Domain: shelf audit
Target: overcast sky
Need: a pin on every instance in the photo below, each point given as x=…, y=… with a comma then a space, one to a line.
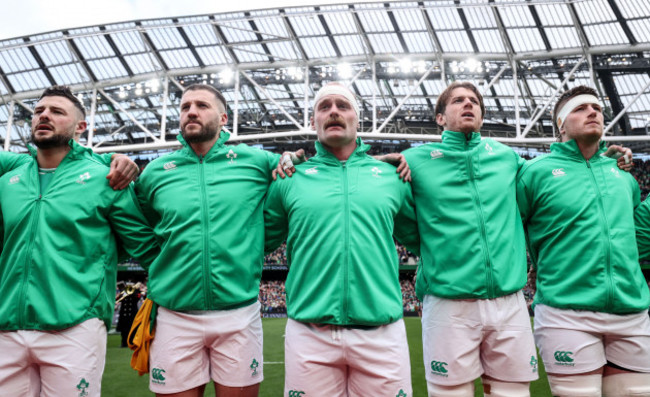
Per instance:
x=26, y=17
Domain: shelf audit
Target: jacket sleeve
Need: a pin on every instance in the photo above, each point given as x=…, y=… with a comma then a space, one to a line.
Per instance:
x=132, y=229
x=272, y=160
x=406, y=225
x=104, y=158
x=10, y=161
x=523, y=199
x=276, y=223
x=144, y=200
x=642, y=222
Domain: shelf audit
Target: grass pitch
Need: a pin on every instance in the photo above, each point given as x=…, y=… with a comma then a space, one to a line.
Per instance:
x=120, y=380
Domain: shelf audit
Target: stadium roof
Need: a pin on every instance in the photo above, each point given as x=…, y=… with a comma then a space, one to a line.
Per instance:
x=396, y=56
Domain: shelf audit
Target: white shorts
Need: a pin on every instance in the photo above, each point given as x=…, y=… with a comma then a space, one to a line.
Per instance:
x=53, y=363
x=333, y=361
x=190, y=348
x=466, y=338
x=579, y=341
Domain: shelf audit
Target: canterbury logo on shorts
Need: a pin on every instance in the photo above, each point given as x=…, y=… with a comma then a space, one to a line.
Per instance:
x=157, y=376
x=563, y=357
x=296, y=393
x=438, y=367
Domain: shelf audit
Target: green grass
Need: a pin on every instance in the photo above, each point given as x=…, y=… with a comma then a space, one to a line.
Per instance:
x=121, y=380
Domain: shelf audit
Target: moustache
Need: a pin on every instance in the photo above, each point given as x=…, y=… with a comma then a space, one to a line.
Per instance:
x=337, y=121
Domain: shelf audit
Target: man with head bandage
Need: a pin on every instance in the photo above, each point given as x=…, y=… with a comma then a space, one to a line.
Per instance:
x=345, y=335
x=591, y=304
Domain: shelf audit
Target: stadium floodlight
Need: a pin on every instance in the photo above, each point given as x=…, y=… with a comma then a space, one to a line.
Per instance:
x=420, y=66
x=226, y=76
x=153, y=84
x=138, y=90
x=295, y=73
x=454, y=67
x=473, y=66
x=391, y=69
x=405, y=65
x=344, y=70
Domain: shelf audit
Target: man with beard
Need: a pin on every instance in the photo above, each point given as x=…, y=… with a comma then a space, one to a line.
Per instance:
x=123, y=170
x=345, y=334
x=591, y=304
x=61, y=227
x=205, y=203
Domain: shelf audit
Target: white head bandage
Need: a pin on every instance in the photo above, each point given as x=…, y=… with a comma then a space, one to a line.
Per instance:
x=337, y=89
x=572, y=104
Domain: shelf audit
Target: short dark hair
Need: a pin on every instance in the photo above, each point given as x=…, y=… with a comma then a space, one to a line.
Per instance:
x=443, y=98
x=564, y=98
x=207, y=87
x=64, y=91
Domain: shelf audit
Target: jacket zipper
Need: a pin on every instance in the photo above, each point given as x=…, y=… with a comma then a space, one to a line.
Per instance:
x=28, y=262
x=206, y=234
x=608, y=248
x=346, y=264
x=479, y=210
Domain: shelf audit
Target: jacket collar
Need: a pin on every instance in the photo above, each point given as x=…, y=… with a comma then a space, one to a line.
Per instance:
x=326, y=156
x=571, y=149
x=76, y=150
x=459, y=139
x=216, y=148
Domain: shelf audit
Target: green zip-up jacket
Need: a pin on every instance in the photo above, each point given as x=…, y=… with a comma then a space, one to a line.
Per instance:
x=207, y=213
x=472, y=241
x=59, y=263
x=579, y=220
x=339, y=220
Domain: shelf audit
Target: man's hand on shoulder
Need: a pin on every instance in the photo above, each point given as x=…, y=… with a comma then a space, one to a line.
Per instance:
x=123, y=171
x=623, y=156
x=399, y=161
x=287, y=163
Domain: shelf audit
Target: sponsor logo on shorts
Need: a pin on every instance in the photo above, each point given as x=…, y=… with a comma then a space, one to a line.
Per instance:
x=436, y=154
x=438, y=368
x=82, y=386
x=296, y=393
x=375, y=172
x=533, y=363
x=83, y=178
x=563, y=358
x=253, y=367
x=157, y=376
x=401, y=393
x=231, y=156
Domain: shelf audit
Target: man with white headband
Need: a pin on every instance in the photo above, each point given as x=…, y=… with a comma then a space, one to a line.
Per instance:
x=345, y=335
x=591, y=303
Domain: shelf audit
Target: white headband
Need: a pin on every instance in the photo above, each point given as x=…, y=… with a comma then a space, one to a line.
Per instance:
x=336, y=89
x=572, y=104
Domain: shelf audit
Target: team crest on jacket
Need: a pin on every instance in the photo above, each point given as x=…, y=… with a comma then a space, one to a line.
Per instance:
x=83, y=178
x=375, y=172
x=231, y=156
x=436, y=154
x=489, y=149
x=615, y=172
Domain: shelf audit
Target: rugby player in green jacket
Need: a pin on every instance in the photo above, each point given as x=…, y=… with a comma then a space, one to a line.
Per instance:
x=591, y=303
x=345, y=335
x=62, y=225
x=205, y=202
